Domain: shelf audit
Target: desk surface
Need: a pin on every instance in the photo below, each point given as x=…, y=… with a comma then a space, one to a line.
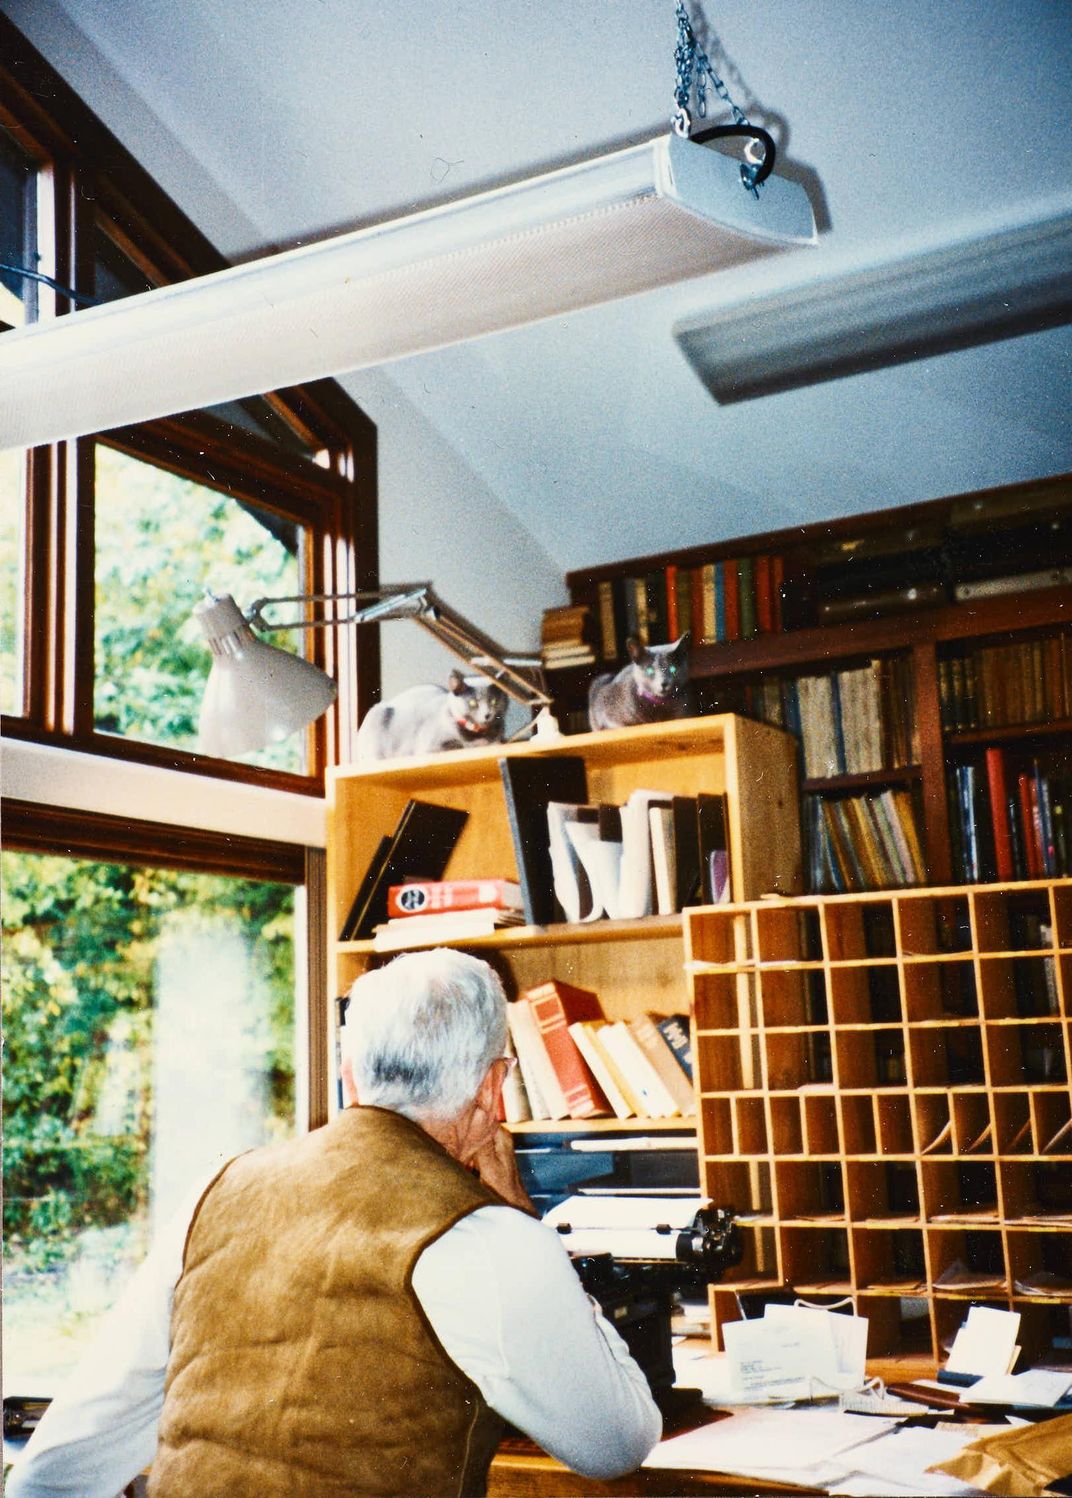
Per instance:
x=519, y=1475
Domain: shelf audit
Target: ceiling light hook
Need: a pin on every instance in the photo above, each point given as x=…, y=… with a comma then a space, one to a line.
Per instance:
x=690, y=57
x=681, y=120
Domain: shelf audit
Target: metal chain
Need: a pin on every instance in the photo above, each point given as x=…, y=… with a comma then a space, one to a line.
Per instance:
x=690, y=56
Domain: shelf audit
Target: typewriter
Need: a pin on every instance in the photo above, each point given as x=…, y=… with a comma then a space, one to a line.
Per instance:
x=637, y=1255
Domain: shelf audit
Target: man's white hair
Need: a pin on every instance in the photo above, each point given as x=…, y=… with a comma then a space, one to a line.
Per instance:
x=421, y=1032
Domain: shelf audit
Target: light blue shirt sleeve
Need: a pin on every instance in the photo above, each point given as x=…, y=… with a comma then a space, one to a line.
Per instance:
x=509, y=1309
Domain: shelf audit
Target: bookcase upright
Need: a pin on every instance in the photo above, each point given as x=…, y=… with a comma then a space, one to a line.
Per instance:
x=633, y=965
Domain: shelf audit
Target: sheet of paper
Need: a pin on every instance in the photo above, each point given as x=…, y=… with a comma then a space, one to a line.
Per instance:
x=898, y=1461
x=1041, y=1387
x=780, y=1357
x=756, y=1442
x=849, y=1335
x=985, y=1343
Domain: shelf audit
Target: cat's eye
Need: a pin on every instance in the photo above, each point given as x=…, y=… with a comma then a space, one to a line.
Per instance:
x=472, y=702
x=673, y=670
x=649, y=670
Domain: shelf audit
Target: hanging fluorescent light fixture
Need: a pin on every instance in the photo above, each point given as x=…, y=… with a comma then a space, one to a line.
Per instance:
x=627, y=222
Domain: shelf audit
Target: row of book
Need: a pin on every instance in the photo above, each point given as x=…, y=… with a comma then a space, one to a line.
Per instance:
x=864, y=842
x=849, y=722
x=1010, y=824
x=1001, y=685
x=565, y=637
x=574, y=1063
x=656, y=853
x=733, y=599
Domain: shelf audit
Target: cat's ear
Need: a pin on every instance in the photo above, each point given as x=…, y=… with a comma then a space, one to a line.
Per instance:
x=681, y=648
x=456, y=683
x=634, y=649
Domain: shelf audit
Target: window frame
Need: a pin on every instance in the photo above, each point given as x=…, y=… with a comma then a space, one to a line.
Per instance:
x=31, y=827
x=90, y=186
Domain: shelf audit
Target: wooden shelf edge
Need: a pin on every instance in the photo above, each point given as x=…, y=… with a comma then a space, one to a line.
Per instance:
x=644, y=928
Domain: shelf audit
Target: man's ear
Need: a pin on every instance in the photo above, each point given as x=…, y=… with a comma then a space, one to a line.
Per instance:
x=349, y=1089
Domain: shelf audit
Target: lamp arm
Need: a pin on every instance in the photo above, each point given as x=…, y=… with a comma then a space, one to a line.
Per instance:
x=419, y=601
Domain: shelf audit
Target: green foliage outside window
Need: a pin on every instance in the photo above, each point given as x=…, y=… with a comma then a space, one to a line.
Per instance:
x=82, y=944
x=160, y=542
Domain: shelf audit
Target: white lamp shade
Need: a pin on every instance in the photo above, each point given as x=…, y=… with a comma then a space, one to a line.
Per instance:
x=256, y=694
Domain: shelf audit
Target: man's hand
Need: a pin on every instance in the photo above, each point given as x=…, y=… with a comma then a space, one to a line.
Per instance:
x=496, y=1163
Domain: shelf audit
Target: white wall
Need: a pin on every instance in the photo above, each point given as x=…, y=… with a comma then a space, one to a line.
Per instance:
x=438, y=520
x=439, y=523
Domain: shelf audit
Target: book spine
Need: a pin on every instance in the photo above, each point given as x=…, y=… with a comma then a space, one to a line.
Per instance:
x=608, y=635
x=731, y=600
x=672, y=628
x=583, y=1038
x=659, y=1056
x=452, y=894
x=674, y=1029
x=714, y=603
x=580, y=1089
x=684, y=601
x=541, y=1079
x=995, y=775
x=747, y=587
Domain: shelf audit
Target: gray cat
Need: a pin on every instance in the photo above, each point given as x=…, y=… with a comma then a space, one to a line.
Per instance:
x=426, y=719
x=652, y=688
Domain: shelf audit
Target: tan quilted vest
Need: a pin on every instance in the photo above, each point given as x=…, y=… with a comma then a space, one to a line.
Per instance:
x=301, y=1363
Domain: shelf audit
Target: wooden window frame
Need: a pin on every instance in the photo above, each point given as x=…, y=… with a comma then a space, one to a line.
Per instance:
x=89, y=185
x=34, y=828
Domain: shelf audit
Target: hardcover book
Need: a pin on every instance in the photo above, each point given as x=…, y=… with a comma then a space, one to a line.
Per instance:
x=555, y=1006
x=419, y=848
x=423, y=896
x=530, y=784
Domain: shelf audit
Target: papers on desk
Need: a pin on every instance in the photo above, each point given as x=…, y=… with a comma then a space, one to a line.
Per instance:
x=1038, y=1388
x=845, y=1454
x=795, y=1352
x=986, y=1343
x=779, y=1443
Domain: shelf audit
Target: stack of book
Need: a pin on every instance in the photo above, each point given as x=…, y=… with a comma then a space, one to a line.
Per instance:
x=581, y=861
x=864, y=842
x=731, y=599
x=564, y=638
x=574, y=1063
x=426, y=912
x=1010, y=823
x=1028, y=682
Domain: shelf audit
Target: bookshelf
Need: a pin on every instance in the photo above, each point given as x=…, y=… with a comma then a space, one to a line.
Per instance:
x=634, y=966
x=905, y=620
x=883, y=1086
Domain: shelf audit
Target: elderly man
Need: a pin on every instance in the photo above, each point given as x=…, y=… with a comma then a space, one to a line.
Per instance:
x=356, y=1311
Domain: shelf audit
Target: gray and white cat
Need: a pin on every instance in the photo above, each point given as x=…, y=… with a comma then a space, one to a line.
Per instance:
x=425, y=719
x=650, y=689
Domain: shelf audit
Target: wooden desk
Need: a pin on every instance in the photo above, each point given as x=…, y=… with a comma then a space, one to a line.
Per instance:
x=519, y=1475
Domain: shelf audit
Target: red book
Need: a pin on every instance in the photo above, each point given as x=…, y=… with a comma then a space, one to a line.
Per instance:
x=555, y=1006
x=1032, y=830
x=999, y=817
x=671, y=602
x=732, y=595
x=421, y=897
x=761, y=578
x=777, y=570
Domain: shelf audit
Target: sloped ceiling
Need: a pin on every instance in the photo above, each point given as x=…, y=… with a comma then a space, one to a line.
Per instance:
x=910, y=124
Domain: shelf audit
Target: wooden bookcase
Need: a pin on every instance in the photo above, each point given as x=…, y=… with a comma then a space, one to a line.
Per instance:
x=633, y=965
x=883, y=1086
x=945, y=542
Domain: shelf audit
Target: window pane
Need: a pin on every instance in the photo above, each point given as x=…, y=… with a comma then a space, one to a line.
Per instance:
x=161, y=542
x=12, y=525
x=150, y=1019
x=18, y=232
